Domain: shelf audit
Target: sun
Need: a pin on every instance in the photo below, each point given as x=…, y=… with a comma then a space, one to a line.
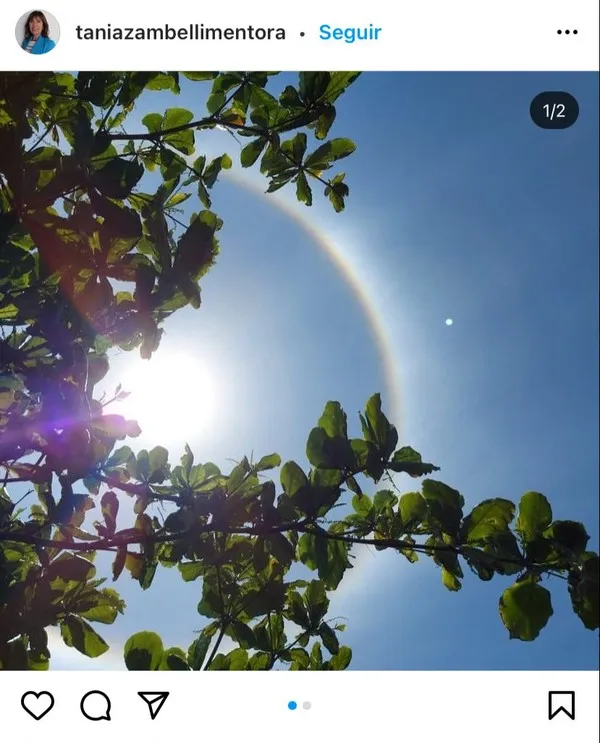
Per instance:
x=174, y=396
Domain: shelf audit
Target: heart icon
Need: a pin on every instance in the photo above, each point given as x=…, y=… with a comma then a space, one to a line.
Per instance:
x=37, y=704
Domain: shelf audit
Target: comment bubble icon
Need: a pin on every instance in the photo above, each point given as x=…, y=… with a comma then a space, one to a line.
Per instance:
x=95, y=706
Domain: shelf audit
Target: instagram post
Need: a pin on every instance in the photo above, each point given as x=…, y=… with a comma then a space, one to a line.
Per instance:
x=298, y=372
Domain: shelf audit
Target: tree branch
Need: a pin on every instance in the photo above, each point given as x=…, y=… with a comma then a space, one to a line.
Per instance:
x=213, y=652
x=131, y=537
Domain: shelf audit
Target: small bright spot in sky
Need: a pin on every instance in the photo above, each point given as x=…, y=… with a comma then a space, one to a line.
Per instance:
x=449, y=321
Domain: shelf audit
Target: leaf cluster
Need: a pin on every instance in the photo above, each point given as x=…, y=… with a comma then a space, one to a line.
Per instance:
x=90, y=261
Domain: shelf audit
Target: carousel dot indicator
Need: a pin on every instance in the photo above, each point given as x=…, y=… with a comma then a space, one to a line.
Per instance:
x=306, y=705
x=292, y=705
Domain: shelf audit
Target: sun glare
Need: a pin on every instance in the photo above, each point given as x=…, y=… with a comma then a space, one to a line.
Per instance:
x=173, y=396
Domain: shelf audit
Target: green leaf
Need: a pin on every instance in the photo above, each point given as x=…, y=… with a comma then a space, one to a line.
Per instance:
x=172, y=166
x=191, y=570
x=219, y=663
x=174, y=659
x=71, y=568
x=324, y=452
x=182, y=140
x=293, y=478
x=215, y=102
x=197, y=248
x=175, y=117
x=187, y=460
x=268, y=462
x=164, y=81
x=158, y=459
x=252, y=151
x=444, y=505
x=333, y=563
x=211, y=603
x=337, y=191
x=479, y=562
x=152, y=122
x=329, y=638
x=362, y=504
x=342, y=659
x=353, y=485
x=199, y=76
x=569, y=537
x=334, y=420
x=119, y=563
x=413, y=510
x=378, y=429
x=237, y=659
x=315, y=448
x=525, y=609
x=506, y=557
x=76, y=633
x=298, y=147
x=259, y=601
x=118, y=178
x=296, y=610
x=303, y=189
x=243, y=634
x=300, y=659
x=140, y=466
x=110, y=509
x=143, y=652
x=408, y=460
x=323, y=157
x=260, y=662
x=280, y=548
x=338, y=84
x=325, y=121
x=260, y=557
x=106, y=610
x=212, y=170
x=316, y=601
x=328, y=556
x=197, y=651
x=535, y=515
x=584, y=590
x=488, y=518
x=449, y=580
x=116, y=426
x=118, y=457
x=313, y=85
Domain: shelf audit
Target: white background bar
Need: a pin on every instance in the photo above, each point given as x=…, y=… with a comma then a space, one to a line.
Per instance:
x=347, y=706
x=350, y=706
x=417, y=35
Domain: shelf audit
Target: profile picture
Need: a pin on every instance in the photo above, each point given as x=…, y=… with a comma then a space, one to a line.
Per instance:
x=37, y=32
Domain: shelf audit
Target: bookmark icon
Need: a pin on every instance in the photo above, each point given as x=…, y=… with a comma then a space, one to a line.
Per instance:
x=155, y=701
x=561, y=701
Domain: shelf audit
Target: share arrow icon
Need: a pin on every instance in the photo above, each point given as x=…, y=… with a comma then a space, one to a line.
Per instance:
x=154, y=700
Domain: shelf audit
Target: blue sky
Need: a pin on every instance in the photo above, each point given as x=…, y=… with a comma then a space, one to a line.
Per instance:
x=459, y=207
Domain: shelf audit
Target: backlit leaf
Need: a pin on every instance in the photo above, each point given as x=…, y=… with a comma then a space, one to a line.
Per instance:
x=525, y=609
x=535, y=515
x=76, y=633
x=143, y=652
